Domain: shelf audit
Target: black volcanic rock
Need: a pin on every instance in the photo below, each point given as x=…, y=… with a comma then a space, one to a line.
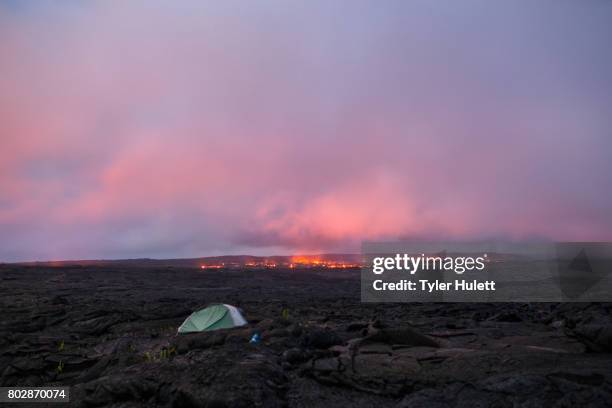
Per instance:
x=110, y=333
x=320, y=338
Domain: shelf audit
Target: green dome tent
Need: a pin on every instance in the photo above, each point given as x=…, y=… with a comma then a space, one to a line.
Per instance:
x=213, y=317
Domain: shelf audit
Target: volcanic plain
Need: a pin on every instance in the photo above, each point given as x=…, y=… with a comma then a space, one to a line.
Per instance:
x=110, y=333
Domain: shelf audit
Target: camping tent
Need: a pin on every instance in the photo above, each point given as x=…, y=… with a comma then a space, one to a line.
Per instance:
x=220, y=316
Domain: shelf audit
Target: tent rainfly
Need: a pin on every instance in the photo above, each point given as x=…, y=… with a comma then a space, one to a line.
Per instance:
x=214, y=317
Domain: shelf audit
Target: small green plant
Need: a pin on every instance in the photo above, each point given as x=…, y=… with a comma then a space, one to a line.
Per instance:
x=163, y=354
x=60, y=346
x=285, y=314
x=60, y=367
x=168, y=352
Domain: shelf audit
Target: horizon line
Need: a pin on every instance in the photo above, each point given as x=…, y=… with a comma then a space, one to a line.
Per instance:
x=174, y=259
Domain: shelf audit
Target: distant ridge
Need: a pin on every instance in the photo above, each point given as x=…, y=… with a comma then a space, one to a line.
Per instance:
x=226, y=260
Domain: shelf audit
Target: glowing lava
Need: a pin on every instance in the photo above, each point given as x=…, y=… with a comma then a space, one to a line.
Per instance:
x=212, y=266
x=293, y=262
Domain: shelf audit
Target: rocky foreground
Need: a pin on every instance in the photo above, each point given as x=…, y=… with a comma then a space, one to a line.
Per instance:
x=111, y=336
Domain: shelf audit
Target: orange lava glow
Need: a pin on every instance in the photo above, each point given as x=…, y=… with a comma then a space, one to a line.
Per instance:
x=293, y=262
x=306, y=260
x=310, y=261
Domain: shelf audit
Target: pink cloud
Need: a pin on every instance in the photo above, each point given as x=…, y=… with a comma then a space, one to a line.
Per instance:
x=183, y=130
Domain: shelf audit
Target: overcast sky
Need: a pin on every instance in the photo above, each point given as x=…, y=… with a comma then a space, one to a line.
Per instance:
x=192, y=128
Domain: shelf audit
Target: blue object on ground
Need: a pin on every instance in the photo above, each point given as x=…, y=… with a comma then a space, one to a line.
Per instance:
x=255, y=339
